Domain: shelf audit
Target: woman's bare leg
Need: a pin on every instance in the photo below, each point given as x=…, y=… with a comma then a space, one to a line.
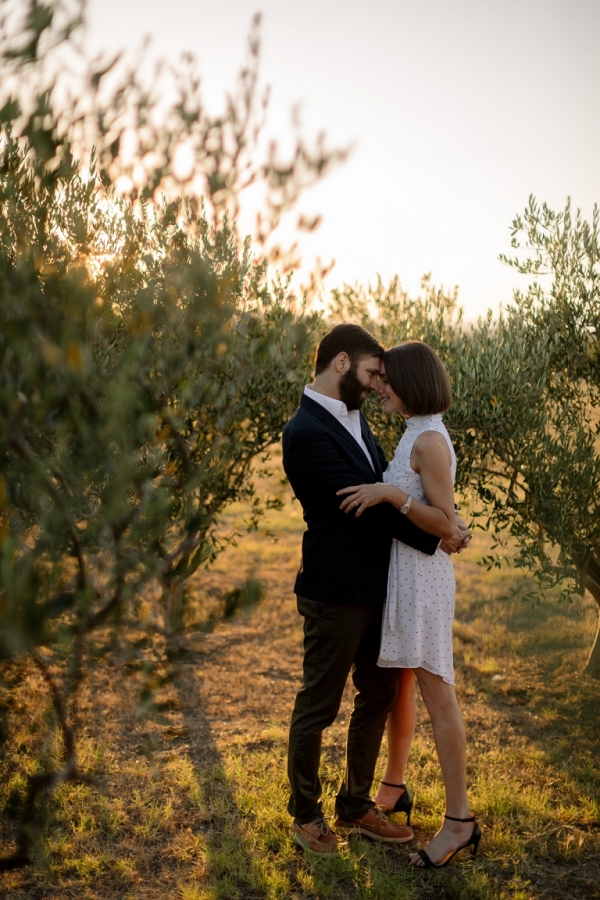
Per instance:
x=450, y=741
x=400, y=732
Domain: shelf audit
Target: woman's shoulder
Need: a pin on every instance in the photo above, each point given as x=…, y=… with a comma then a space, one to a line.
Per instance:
x=432, y=442
x=432, y=438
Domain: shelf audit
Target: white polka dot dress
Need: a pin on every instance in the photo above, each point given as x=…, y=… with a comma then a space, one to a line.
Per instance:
x=419, y=610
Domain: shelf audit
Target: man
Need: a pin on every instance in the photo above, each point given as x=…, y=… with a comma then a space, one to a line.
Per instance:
x=341, y=588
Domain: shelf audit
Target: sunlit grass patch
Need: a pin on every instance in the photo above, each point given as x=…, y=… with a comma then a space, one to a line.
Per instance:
x=365, y=869
x=194, y=891
x=179, y=773
x=192, y=804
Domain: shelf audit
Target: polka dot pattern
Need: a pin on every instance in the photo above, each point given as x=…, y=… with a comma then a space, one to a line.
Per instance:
x=419, y=610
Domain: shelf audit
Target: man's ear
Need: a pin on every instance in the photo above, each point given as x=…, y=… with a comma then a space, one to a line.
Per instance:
x=341, y=362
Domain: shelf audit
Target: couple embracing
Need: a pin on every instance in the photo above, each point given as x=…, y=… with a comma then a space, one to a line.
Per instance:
x=376, y=590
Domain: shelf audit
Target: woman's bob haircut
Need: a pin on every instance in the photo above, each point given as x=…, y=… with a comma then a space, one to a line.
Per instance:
x=415, y=373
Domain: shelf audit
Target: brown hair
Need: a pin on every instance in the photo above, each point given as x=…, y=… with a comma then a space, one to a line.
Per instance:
x=415, y=373
x=351, y=339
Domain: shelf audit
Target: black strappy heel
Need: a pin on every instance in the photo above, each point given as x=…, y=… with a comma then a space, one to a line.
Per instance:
x=472, y=842
x=404, y=803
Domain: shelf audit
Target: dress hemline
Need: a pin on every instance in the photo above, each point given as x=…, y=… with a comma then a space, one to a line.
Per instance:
x=415, y=664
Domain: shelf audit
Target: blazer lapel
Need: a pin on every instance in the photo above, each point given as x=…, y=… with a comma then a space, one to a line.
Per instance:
x=334, y=425
x=369, y=440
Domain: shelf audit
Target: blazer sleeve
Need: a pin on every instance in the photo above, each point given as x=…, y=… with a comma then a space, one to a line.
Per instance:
x=406, y=531
x=316, y=459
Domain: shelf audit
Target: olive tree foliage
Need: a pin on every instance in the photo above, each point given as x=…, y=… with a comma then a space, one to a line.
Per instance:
x=147, y=361
x=563, y=309
x=524, y=420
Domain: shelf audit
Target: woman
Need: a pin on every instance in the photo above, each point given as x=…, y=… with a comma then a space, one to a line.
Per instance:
x=418, y=615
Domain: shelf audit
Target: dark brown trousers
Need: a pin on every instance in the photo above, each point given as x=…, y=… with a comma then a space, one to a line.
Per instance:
x=338, y=639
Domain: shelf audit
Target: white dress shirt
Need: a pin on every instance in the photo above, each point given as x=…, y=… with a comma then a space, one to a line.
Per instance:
x=350, y=419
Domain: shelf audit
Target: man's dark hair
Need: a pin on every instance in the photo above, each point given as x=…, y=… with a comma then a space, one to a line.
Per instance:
x=416, y=375
x=357, y=342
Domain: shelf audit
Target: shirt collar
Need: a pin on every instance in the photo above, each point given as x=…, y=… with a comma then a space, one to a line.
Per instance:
x=337, y=408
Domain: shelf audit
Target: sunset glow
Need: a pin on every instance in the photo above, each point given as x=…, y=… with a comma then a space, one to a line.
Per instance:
x=456, y=114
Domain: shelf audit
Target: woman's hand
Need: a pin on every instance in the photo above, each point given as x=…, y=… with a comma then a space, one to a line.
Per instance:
x=360, y=496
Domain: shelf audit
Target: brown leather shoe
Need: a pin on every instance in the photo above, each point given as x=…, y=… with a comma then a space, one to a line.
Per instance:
x=317, y=837
x=376, y=825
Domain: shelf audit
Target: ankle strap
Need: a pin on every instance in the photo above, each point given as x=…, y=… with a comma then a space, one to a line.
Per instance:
x=454, y=819
x=389, y=784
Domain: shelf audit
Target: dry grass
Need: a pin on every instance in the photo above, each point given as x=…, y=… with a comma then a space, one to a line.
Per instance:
x=190, y=803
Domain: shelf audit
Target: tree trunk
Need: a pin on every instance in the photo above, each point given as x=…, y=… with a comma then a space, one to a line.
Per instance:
x=593, y=664
x=592, y=583
x=173, y=604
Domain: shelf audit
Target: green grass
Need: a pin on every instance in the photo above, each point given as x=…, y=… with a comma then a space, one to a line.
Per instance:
x=191, y=804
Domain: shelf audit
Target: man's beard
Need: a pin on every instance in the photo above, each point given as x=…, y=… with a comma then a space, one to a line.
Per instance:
x=351, y=389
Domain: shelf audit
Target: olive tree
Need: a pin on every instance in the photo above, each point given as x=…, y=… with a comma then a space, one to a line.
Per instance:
x=147, y=357
x=525, y=418
x=555, y=507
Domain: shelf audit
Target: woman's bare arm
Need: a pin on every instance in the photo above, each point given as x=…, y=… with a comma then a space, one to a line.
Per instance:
x=431, y=459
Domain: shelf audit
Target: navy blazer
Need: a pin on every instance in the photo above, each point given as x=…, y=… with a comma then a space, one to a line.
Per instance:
x=344, y=559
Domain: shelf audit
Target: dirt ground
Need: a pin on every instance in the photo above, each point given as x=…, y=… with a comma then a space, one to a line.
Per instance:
x=234, y=690
x=243, y=691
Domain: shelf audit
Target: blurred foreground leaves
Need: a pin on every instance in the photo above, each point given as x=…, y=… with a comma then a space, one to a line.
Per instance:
x=146, y=360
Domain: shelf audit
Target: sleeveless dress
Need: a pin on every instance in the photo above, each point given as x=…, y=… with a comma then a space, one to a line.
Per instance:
x=419, y=610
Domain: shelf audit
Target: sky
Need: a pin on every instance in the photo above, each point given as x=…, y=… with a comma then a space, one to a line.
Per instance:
x=456, y=110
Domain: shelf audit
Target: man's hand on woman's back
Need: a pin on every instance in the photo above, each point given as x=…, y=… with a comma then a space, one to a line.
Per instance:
x=460, y=539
